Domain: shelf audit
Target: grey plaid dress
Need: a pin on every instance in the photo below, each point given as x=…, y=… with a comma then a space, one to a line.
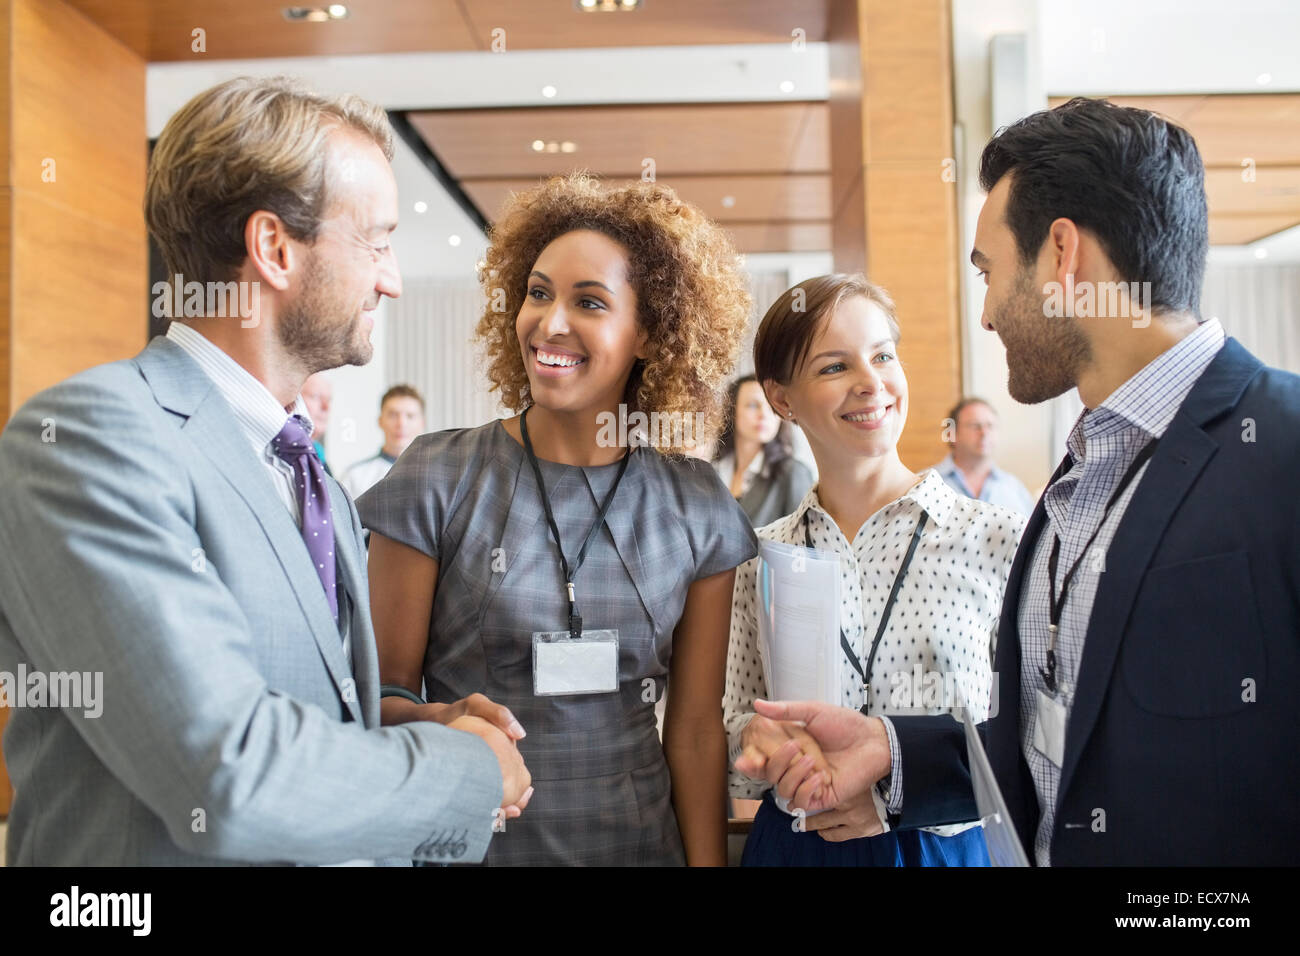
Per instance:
x=468, y=498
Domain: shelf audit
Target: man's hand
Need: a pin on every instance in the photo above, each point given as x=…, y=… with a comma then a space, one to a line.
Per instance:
x=515, y=778
x=857, y=818
x=855, y=748
x=475, y=705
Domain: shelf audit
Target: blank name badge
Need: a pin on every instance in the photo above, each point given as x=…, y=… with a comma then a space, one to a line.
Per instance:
x=563, y=664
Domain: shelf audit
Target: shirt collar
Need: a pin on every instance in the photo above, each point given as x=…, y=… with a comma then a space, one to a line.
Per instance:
x=931, y=494
x=259, y=414
x=1152, y=397
x=948, y=467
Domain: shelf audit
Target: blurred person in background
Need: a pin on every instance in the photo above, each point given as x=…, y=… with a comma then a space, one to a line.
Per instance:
x=969, y=467
x=401, y=418
x=754, y=456
x=318, y=395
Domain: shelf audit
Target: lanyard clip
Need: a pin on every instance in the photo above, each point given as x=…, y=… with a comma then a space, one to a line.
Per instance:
x=571, y=597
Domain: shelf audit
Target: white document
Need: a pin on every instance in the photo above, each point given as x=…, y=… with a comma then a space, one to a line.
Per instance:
x=799, y=622
x=999, y=832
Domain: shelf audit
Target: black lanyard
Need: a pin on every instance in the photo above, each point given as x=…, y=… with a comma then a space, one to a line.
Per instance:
x=1056, y=604
x=575, y=620
x=865, y=671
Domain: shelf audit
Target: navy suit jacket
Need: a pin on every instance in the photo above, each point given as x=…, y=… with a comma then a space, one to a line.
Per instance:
x=1183, y=742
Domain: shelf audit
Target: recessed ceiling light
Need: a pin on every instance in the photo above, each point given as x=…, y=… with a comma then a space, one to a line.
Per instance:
x=538, y=145
x=568, y=147
x=548, y=92
x=728, y=201
x=606, y=6
x=1261, y=253
x=454, y=240
x=335, y=11
x=1264, y=79
x=421, y=206
x=787, y=86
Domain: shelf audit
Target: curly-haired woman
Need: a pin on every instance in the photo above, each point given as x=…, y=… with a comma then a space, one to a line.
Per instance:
x=557, y=565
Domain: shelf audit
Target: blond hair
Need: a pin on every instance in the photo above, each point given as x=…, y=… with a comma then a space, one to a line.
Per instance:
x=246, y=145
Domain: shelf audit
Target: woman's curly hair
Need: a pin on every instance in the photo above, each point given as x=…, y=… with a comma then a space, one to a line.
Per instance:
x=692, y=298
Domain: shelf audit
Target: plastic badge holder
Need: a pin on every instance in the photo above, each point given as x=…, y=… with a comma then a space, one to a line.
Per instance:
x=565, y=666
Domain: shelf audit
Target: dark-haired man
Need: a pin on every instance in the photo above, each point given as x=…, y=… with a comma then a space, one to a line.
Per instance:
x=1148, y=644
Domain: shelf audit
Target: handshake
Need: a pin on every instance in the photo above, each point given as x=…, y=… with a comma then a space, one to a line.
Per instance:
x=819, y=757
x=495, y=726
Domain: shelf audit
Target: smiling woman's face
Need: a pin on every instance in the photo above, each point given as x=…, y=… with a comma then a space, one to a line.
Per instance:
x=578, y=328
x=850, y=395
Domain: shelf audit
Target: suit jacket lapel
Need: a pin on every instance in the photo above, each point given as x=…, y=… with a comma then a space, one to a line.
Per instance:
x=181, y=386
x=1004, y=748
x=352, y=580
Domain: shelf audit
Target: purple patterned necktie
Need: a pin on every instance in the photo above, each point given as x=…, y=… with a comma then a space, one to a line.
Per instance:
x=294, y=446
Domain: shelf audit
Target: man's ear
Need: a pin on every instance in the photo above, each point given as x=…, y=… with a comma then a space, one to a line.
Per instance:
x=270, y=249
x=777, y=398
x=1062, y=246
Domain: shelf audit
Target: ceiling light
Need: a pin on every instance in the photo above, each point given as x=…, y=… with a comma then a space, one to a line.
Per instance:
x=1264, y=79
x=454, y=240
x=787, y=86
x=728, y=201
x=568, y=147
x=1261, y=253
x=421, y=206
x=538, y=146
x=335, y=11
x=548, y=92
x=606, y=6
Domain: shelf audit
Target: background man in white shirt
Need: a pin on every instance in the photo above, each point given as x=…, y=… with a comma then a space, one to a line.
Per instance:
x=401, y=419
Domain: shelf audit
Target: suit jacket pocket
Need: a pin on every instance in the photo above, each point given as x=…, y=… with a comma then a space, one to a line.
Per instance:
x=1193, y=646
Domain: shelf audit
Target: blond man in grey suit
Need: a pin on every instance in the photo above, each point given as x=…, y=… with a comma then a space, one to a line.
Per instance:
x=166, y=525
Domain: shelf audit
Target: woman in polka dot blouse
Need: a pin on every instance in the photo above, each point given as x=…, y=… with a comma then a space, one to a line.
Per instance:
x=827, y=354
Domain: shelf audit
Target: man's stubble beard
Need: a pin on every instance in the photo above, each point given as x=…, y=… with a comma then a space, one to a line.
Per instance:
x=1044, y=354
x=319, y=329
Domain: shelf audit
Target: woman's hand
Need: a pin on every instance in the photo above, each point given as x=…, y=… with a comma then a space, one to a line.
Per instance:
x=857, y=818
x=763, y=737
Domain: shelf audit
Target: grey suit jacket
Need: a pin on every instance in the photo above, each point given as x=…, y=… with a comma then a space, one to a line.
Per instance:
x=141, y=538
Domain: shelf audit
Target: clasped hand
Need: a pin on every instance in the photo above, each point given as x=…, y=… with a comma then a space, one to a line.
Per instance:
x=820, y=758
x=498, y=728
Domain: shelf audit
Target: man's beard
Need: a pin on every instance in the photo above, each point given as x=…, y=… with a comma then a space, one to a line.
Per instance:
x=1044, y=354
x=319, y=329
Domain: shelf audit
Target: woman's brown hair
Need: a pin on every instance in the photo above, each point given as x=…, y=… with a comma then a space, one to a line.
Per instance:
x=798, y=316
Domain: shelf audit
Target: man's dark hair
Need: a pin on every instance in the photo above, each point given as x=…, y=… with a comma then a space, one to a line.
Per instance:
x=1132, y=178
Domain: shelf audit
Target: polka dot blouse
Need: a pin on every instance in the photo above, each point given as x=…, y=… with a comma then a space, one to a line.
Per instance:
x=937, y=648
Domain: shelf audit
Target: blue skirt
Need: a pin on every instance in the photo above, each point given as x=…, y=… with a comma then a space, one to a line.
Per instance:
x=774, y=842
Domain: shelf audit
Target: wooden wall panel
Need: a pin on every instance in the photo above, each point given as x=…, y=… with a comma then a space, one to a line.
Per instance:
x=73, y=253
x=79, y=254
x=898, y=215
